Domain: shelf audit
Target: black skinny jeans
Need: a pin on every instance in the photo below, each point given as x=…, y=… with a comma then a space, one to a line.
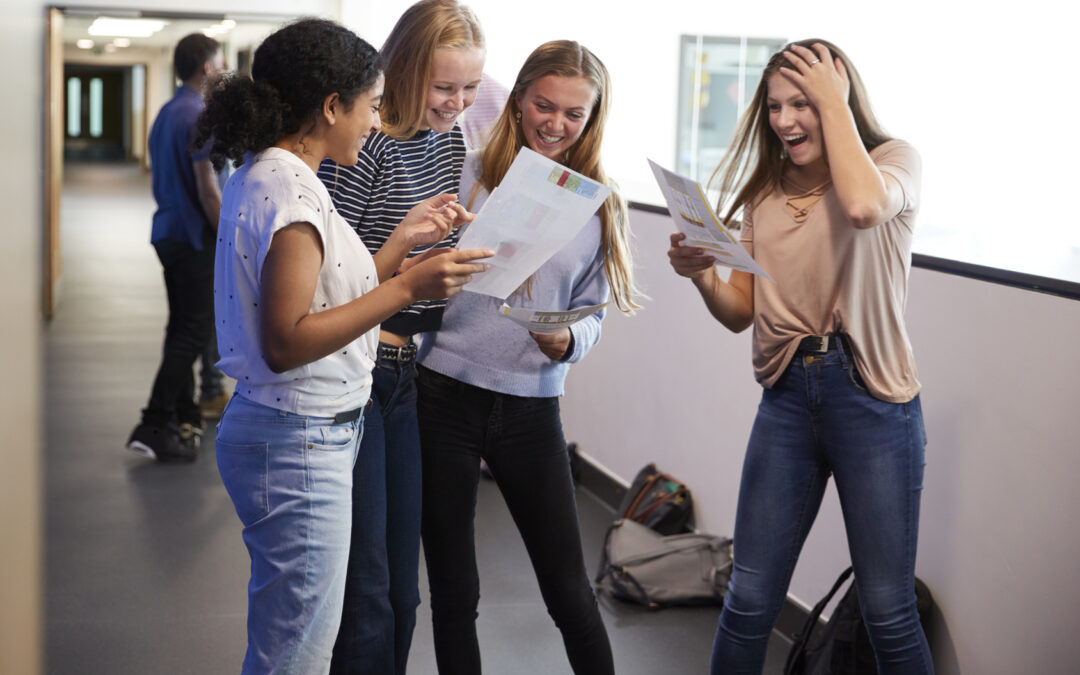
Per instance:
x=522, y=441
x=189, y=284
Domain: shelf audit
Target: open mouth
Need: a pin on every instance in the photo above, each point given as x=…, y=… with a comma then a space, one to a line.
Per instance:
x=793, y=141
x=550, y=140
x=448, y=116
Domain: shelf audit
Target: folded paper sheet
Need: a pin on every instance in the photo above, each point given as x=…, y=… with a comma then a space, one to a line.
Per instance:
x=537, y=209
x=548, y=322
x=695, y=218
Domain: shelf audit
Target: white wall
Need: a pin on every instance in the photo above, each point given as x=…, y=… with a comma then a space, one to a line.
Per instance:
x=998, y=537
x=21, y=136
x=22, y=29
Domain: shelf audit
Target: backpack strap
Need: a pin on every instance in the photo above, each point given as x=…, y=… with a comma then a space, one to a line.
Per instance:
x=640, y=496
x=803, y=638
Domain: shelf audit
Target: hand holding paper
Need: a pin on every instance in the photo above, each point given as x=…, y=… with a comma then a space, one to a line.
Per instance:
x=695, y=218
x=548, y=322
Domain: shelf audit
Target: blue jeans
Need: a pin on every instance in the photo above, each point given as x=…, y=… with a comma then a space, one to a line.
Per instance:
x=817, y=420
x=381, y=594
x=522, y=441
x=290, y=479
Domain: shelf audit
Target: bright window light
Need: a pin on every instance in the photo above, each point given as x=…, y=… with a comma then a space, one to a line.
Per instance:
x=74, y=106
x=95, y=106
x=126, y=27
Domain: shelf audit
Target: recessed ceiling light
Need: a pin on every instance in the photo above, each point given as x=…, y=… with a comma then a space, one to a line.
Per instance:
x=85, y=43
x=122, y=42
x=104, y=25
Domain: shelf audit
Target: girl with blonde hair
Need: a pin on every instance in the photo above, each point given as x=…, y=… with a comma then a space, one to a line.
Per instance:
x=489, y=389
x=828, y=204
x=434, y=58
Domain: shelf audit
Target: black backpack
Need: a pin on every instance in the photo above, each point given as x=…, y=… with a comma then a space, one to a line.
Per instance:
x=659, y=501
x=842, y=647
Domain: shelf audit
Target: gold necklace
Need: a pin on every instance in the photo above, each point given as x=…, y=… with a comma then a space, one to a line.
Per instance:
x=799, y=205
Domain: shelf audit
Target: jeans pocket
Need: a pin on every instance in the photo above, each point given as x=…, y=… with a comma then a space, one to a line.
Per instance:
x=855, y=379
x=244, y=470
x=331, y=437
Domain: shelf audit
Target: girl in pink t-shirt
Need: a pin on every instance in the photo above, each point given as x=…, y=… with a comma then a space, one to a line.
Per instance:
x=828, y=203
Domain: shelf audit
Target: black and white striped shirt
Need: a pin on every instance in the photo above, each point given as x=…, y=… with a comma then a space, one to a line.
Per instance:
x=389, y=179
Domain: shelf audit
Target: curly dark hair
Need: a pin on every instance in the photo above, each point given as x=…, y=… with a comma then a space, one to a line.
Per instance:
x=293, y=72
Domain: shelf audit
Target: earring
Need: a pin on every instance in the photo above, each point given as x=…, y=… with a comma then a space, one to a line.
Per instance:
x=517, y=117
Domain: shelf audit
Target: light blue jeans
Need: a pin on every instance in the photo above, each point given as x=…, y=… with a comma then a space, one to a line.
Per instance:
x=817, y=420
x=290, y=479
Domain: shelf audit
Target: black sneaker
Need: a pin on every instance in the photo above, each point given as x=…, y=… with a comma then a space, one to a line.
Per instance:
x=159, y=443
x=190, y=434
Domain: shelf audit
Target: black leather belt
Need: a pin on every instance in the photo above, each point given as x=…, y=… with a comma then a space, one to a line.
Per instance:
x=818, y=344
x=352, y=415
x=402, y=354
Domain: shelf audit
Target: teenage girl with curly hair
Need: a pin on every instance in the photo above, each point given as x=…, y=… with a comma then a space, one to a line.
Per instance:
x=298, y=301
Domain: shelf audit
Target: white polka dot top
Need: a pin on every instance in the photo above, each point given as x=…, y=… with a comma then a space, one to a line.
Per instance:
x=270, y=191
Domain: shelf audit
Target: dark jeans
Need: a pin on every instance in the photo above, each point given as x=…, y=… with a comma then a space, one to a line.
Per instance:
x=522, y=442
x=381, y=592
x=189, y=286
x=817, y=420
x=210, y=378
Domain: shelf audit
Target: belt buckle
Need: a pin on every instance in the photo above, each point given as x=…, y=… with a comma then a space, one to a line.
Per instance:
x=819, y=343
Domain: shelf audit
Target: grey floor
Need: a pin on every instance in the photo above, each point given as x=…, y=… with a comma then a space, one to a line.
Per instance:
x=145, y=569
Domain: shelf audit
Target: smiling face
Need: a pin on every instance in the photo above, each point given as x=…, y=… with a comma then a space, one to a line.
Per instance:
x=352, y=125
x=798, y=126
x=554, y=112
x=455, y=76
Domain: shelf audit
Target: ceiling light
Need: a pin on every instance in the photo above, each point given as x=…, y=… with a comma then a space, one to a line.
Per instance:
x=110, y=48
x=122, y=42
x=126, y=27
x=85, y=43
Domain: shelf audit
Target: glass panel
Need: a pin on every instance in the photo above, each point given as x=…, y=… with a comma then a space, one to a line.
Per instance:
x=138, y=88
x=74, y=106
x=717, y=78
x=95, y=106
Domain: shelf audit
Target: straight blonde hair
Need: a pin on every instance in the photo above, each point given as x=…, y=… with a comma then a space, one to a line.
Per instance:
x=407, y=56
x=565, y=58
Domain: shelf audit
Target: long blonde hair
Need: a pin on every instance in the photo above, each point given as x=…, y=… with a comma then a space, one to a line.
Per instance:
x=408, y=53
x=565, y=58
x=754, y=164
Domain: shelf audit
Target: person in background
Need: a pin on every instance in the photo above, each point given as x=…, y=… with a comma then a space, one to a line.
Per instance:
x=298, y=303
x=477, y=123
x=188, y=201
x=828, y=203
x=489, y=389
x=434, y=59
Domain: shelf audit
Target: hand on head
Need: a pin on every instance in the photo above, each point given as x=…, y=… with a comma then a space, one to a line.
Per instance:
x=818, y=74
x=688, y=261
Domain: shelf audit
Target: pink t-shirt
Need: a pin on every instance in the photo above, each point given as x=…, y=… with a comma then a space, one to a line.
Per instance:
x=833, y=278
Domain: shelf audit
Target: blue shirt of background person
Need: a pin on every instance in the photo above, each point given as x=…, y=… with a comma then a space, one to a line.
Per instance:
x=180, y=215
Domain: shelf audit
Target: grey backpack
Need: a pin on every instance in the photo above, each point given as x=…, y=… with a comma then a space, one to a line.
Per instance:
x=643, y=566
